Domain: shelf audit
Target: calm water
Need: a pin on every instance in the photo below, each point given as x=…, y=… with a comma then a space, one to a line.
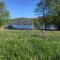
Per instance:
x=23, y=26
x=30, y=27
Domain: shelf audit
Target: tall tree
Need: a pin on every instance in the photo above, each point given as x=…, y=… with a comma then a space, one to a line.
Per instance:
x=42, y=8
x=57, y=10
x=4, y=14
x=55, y=13
x=49, y=8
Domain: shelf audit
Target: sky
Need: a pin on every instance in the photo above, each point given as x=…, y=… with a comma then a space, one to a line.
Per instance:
x=21, y=8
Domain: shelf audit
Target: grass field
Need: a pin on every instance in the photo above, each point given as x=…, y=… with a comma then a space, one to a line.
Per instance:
x=29, y=45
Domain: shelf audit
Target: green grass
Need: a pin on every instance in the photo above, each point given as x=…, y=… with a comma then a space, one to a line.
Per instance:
x=29, y=45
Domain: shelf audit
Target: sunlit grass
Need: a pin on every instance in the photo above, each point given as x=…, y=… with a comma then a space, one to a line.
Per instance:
x=29, y=45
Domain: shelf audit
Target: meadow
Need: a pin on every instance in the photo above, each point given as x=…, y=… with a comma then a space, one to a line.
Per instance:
x=29, y=45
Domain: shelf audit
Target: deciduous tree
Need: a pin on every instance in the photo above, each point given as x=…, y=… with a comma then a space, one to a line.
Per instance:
x=4, y=14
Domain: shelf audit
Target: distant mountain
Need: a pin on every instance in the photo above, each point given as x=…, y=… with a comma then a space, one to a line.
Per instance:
x=20, y=21
x=22, y=18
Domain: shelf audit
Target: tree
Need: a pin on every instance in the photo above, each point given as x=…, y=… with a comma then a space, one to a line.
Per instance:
x=4, y=14
x=37, y=23
x=43, y=8
x=57, y=10
x=55, y=13
x=51, y=10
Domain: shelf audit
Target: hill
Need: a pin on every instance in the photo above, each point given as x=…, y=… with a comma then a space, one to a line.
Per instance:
x=19, y=21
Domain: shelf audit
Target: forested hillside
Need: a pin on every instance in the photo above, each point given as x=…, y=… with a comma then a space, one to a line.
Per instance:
x=19, y=21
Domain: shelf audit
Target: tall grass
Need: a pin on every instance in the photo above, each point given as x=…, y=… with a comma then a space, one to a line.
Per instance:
x=29, y=45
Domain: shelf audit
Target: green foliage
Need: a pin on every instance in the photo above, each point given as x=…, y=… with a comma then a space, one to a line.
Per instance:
x=4, y=14
x=43, y=8
x=29, y=45
x=50, y=10
x=37, y=23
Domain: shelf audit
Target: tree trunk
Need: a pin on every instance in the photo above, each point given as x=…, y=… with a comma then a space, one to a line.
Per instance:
x=44, y=17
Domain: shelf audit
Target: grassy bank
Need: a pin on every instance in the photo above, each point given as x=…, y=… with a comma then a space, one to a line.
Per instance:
x=29, y=45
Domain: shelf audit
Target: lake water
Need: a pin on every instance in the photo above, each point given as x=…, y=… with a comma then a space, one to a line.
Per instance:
x=22, y=27
x=30, y=27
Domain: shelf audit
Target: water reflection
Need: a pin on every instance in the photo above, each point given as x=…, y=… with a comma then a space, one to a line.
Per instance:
x=21, y=27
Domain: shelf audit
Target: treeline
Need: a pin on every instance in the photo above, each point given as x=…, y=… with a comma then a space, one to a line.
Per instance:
x=48, y=12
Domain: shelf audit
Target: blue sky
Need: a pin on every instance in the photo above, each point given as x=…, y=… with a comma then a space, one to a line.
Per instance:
x=21, y=8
